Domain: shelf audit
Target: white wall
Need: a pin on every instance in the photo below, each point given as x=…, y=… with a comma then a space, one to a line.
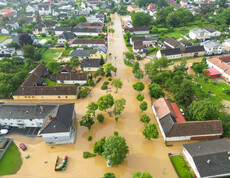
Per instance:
x=69, y=82
x=90, y=69
x=83, y=33
x=88, y=45
x=26, y=122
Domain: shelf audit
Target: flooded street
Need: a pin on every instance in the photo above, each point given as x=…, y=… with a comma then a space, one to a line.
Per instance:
x=145, y=156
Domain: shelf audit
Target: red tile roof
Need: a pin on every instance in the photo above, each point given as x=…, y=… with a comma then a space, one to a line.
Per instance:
x=180, y=117
x=8, y=10
x=213, y=71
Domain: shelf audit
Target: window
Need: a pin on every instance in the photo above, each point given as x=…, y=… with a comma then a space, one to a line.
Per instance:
x=32, y=96
x=30, y=119
x=28, y=96
x=11, y=123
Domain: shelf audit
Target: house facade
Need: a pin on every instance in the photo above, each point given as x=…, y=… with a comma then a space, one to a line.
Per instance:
x=90, y=65
x=88, y=42
x=44, y=9
x=212, y=47
x=170, y=53
x=72, y=78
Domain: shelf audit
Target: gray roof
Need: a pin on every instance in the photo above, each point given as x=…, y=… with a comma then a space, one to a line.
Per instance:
x=62, y=122
x=90, y=63
x=80, y=53
x=67, y=36
x=85, y=30
x=168, y=52
x=167, y=123
x=216, y=151
x=210, y=29
x=210, y=44
x=63, y=29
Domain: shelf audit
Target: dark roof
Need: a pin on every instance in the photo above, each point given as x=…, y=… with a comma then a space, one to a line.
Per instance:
x=71, y=76
x=191, y=128
x=46, y=90
x=35, y=76
x=135, y=29
x=80, y=53
x=68, y=29
x=168, y=52
x=90, y=24
x=225, y=59
x=63, y=120
x=185, y=42
x=66, y=68
x=39, y=27
x=88, y=41
x=86, y=30
x=49, y=23
x=90, y=63
x=210, y=29
x=216, y=151
x=138, y=45
x=68, y=36
x=194, y=49
x=167, y=123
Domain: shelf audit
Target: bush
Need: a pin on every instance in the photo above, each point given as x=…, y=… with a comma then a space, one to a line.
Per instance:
x=116, y=119
x=140, y=97
x=98, y=80
x=90, y=83
x=90, y=138
x=88, y=155
x=145, y=118
x=110, y=79
x=100, y=118
x=104, y=87
x=43, y=35
x=214, y=83
x=227, y=91
x=83, y=93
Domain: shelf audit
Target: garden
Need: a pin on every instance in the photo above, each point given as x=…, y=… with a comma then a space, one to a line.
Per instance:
x=51, y=54
x=3, y=37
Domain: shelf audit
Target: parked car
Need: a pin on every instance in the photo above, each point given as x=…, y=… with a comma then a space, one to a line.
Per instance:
x=4, y=131
x=23, y=146
x=182, y=112
x=6, y=127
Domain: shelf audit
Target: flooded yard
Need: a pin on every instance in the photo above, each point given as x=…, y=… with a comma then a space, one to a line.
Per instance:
x=145, y=156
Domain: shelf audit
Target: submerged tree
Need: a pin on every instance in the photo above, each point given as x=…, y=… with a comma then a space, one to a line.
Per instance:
x=150, y=131
x=87, y=121
x=119, y=106
x=117, y=83
x=105, y=102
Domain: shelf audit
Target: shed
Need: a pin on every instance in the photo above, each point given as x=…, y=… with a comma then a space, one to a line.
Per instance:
x=212, y=72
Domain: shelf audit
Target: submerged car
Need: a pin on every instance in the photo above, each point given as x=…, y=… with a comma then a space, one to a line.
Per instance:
x=23, y=146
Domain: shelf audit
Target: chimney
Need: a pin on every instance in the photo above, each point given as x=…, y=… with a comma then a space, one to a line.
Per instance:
x=50, y=117
x=208, y=161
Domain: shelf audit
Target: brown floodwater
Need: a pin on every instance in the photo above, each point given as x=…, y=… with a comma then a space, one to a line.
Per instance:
x=144, y=155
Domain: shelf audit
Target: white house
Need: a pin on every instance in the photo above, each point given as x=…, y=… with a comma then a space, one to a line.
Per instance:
x=72, y=78
x=30, y=8
x=170, y=53
x=88, y=42
x=5, y=31
x=174, y=127
x=59, y=30
x=209, y=159
x=65, y=37
x=44, y=9
x=226, y=45
x=85, y=32
x=212, y=32
x=54, y=120
x=199, y=34
x=212, y=47
x=90, y=65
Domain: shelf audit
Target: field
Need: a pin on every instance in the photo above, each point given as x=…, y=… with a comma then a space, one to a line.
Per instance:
x=3, y=37
x=50, y=54
x=11, y=161
x=181, y=166
x=67, y=52
x=39, y=38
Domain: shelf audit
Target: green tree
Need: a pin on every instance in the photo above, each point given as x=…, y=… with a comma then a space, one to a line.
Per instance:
x=87, y=121
x=140, y=97
x=143, y=106
x=108, y=67
x=139, y=74
x=127, y=36
x=145, y=118
x=141, y=19
x=203, y=110
x=109, y=175
x=162, y=4
x=161, y=62
x=142, y=175
x=115, y=150
x=105, y=102
x=150, y=69
x=25, y=39
x=129, y=55
x=150, y=131
x=74, y=62
x=98, y=147
x=81, y=19
x=53, y=66
x=119, y=106
x=185, y=93
x=117, y=83
x=20, y=21
x=155, y=90
x=198, y=67
x=138, y=86
x=92, y=107
x=28, y=51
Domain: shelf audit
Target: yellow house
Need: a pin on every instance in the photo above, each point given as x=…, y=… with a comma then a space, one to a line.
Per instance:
x=194, y=51
x=39, y=29
x=90, y=65
x=98, y=53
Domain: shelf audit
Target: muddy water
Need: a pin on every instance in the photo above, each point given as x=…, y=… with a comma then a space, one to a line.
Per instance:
x=149, y=156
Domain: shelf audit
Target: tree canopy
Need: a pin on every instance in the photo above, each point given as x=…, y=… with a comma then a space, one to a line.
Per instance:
x=109, y=175
x=141, y=19
x=119, y=106
x=53, y=66
x=142, y=175
x=150, y=131
x=115, y=150
x=143, y=106
x=155, y=90
x=117, y=83
x=25, y=39
x=138, y=86
x=87, y=121
x=105, y=102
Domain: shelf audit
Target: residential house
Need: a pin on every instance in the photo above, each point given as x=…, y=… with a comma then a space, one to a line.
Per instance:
x=29, y=89
x=212, y=47
x=59, y=30
x=85, y=32
x=152, y=7
x=87, y=42
x=9, y=52
x=172, y=43
x=137, y=30
x=56, y=121
x=194, y=51
x=30, y=8
x=148, y=40
x=222, y=64
x=6, y=11
x=175, y=5
x=44, y=27
x=209, y=159
x=174, y=127
x=80, y=54
x=66, y=37
x=132, y=8
x=90, y=65
x=184, y=42
x=44, y=9
x=199, y=34
x=72, y=78
x=184, y=3
x=170, y=53
x=226, y=45
x=5, y=31
x=98, y=52
x=98, y=26
x=13, y=23
x=212, y=31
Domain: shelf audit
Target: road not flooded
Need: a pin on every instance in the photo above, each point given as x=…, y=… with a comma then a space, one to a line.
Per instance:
x=145, y=156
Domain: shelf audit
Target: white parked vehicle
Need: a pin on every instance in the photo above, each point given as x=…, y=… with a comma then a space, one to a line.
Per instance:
x=182, y=112
x=4, y=131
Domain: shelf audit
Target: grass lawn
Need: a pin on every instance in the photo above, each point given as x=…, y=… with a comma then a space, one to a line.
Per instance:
x=47, y=18
x=39, y=38
x=52, y=83
x=67, y=52
x=50, y=54
x=11, y=161
x=3, y=37
x=209, y=88
x=181, y=166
